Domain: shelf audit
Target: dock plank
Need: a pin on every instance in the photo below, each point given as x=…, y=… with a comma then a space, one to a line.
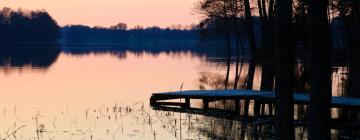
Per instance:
x=200, y=94
x=266, y=96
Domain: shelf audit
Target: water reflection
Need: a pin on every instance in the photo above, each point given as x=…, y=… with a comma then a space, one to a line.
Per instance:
x=28, y=57
x=104, y=94
x=35, y=57
x=73, y=98
x=212, y=54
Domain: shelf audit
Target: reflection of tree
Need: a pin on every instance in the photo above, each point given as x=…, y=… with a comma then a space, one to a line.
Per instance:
x=211, y=54
x=120, y=54
x=210, y=80
x=19, y=32
x=30, y=57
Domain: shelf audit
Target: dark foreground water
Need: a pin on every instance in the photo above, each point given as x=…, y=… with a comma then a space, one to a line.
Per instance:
x=105, y=96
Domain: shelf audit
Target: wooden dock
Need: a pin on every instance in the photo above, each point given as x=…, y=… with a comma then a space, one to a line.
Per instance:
x=159, y=99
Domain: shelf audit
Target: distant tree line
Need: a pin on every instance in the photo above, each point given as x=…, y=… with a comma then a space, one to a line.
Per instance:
x=120, y=35
x=24, y=27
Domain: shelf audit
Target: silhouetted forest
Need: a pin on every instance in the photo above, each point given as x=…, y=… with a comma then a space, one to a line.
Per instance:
x=24, y=27
x=121, y=36
x=28, y=38
x=309, y=37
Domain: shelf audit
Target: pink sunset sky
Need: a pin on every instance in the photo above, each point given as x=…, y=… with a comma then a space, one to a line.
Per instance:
x=161, y=13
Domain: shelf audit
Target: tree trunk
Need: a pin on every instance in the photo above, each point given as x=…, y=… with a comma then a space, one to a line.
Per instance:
x=250, y=76
x=284, y=108
x=354, y=72
x=320, y=71
x=241, y=47
x=237, y=63
x=228, y=47
x=355, y=49
x=237, y=37
x=267, y=74
x=252, y=44
x=227, y=36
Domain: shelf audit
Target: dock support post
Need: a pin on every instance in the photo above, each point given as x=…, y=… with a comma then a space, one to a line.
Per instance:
x=344, y=115
x=246, y=107
x=237, y=106
x=205, y=104
x=153, y=101
x=257, y=107
x=187, y=103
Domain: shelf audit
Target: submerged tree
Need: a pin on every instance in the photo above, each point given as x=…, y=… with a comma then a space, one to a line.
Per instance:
x=218, y=13
x=227, y=16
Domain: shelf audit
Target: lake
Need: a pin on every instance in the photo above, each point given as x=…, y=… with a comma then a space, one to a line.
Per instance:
x=104, y=95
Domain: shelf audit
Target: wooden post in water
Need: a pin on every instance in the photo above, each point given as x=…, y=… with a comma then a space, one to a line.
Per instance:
x=237, y=106
x=153, y=101
x=246, y=107
x=257, y=107
x=205, y=104
x=187, y=103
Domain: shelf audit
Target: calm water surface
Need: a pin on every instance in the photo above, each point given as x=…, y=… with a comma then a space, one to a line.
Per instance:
x=103, y=96
x=98, y=96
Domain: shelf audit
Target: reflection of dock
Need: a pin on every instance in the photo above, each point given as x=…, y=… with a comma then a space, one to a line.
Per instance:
x=259, y=97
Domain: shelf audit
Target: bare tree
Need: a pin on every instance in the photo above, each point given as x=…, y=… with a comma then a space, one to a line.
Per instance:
x=220, y=12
